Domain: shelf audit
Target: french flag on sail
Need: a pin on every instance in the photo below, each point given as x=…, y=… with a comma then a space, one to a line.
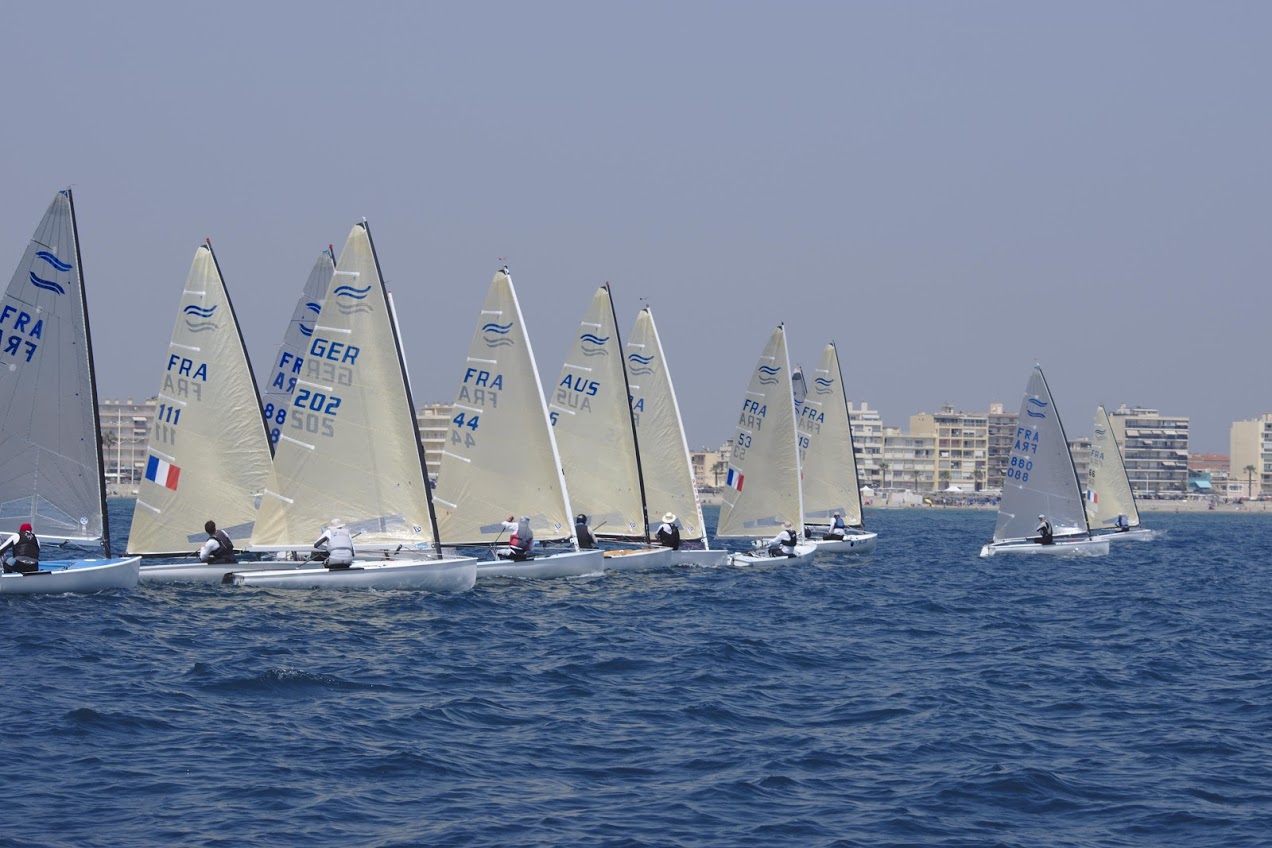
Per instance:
x=734, y=480
x=163, y=473
x=1092, y=496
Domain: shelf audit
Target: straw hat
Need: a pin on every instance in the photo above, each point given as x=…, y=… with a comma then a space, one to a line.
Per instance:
x=669, y=517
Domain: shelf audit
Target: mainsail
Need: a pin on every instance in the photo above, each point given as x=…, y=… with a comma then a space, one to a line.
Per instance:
x=348, y=446
x=1040, y=476
x=1108, y=486
x=592, y=420
x=289, y=362
x=50, y=438
x=762, y=489
x=827, y=457
x=500, y=456
x=209, y=454
x=664, y=452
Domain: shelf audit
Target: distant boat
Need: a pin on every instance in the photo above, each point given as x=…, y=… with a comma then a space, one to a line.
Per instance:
x=591, y=409
x=209, y=455
x=1109, y=495
x=1041, y=480
x=51, y=472
x=500, y=456
x=762, y=486
x=349, y=450
x=829, y=462
x=666, y=466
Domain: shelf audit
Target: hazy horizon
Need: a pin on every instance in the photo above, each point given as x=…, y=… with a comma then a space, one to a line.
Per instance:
x=951, y=192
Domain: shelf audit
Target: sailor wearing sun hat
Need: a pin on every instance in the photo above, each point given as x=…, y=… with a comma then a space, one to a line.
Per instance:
x=339, y=544
x=669, y=532
x=783, y=544
x=1044, y=531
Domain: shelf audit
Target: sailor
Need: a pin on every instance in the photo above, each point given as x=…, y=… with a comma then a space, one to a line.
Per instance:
x=26, y=551
x=669, y=532
x=218, y=549
x=339, y=545
x=837, y=529
x=583, y=532
x=783, y=544
x=521, y=541
x=1044, y=531
x=1122, y=524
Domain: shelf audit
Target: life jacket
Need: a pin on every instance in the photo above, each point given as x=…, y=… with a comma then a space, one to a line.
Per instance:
x=26, y=552
x=669, y=538
x=523, y=538
x=339, y=547
x=225, y=549
x=586, y=539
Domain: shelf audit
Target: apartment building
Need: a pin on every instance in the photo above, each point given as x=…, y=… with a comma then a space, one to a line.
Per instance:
x=434, y=420
x=1155, y=450
x=1000, y=437
x=909, y=461
x=125, y=436
x=1250, y=455
x=962, y=446
x=867, y=443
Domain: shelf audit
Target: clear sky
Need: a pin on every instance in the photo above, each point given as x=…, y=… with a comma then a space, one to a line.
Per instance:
x=951, y=191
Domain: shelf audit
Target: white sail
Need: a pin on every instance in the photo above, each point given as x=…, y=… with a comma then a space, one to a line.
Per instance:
x=664, y=451
x=592, y=420
x=827, y=457
x=500, y=457
x=348, y=446
x=209, y=454
x=1108, y=486
x=50, y=439
x=1040, y=476
x=280, y=383
x=762, y=489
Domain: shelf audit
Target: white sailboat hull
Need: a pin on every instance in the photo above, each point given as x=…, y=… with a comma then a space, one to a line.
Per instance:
x=803, y=553
x=79, y=576
x=1139, y=534
x=699, y=558
x=639, y=559
x=550, y=566
x=202, y=572
x=1080, y=546
x=433, y=575
x=855, y=543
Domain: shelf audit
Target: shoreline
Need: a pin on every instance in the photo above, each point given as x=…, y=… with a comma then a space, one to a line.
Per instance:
x=1198, y=506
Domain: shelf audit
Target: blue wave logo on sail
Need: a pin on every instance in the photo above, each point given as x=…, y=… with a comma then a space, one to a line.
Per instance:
x=352, y=292
x=640, y=364
x=768, y=374
x=198, y=318
x=822, y=385
x=496, y=335
x=53, y=260
x=315, y=308
x=594, y=345
x=1041, y=404
x=47, y=285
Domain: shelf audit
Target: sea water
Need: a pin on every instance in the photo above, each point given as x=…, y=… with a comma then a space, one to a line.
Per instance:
x=919, y=696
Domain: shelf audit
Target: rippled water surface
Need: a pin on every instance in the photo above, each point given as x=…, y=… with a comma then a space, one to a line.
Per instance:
x=921, y=696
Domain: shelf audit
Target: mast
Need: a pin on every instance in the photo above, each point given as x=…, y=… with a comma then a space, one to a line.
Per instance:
x=410, y=401
x=631, y=419
x=799, y=465
x=242, y=344
x=92, y=383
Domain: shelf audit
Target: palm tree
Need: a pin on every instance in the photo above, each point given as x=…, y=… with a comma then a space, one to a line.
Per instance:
x=979, y=474
x=945, y=480
x=883, y=473
x=717, y=470
x=1249, y=470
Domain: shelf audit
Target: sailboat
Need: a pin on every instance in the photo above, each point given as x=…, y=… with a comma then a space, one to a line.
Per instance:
x=591, y=411
x=1041, y=481
x=831, y=485
x=209, y=456
x=51, y=472
x=1109, y=496
x=762, y=487
x=349, y=448
x=666, y=467
x=500, y=453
